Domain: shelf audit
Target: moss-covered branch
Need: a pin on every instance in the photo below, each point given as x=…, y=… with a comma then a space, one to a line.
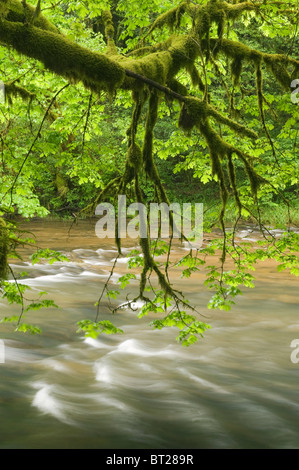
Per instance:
x=12, y=89
x=16, y=11
x=62, y=56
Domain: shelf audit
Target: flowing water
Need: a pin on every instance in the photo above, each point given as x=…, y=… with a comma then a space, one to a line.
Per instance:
x=236, y=388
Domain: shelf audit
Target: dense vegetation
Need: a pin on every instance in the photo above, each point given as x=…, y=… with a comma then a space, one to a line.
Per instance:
x=185, y=101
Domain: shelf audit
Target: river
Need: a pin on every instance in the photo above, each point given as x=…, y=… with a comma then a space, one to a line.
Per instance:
x=236, y=388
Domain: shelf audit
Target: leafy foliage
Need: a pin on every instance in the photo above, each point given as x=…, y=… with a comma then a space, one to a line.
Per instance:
x=94, y=329
x=51, y=256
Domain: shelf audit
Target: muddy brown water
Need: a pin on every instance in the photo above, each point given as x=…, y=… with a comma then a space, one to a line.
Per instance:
x=236, y=388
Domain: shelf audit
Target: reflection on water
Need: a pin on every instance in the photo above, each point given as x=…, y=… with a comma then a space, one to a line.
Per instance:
x=236, y=388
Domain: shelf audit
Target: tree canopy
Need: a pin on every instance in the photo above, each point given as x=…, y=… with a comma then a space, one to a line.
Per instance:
x=210, y=81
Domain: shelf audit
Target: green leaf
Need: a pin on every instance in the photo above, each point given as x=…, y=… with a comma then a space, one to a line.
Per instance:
x=94, y=329
x=27, y=328
x=51, y=256
x=125, y=280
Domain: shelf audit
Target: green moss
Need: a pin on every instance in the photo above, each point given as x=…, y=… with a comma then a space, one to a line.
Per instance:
x=203, y=23
x=186, y=119
x=184, y=50
x=134, y=153
x=216, y=144
x=135, y=156
x=221, y=24
x=62, y=56
x=195, y=111
x=16, y=12
x=192, y=113
x=279, y=70
x=177, y=87
x=214, y=12
x=14, y=90
x=61, y=184
x=109, y=32
x=259, y=87
x=164, y=65
x=147, y=150
x=171, y=18
x=233, y=183
x=141, y=50
x=233, y=49
x=235, y=126
x=195, y=77
x=216, y=164
x=155, y=66
x=295, y=73
x=236, y=69
x=149, y=263
x=255, y=179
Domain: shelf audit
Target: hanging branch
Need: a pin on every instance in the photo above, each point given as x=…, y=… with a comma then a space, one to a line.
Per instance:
x=105, y=288
x=86, y=122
